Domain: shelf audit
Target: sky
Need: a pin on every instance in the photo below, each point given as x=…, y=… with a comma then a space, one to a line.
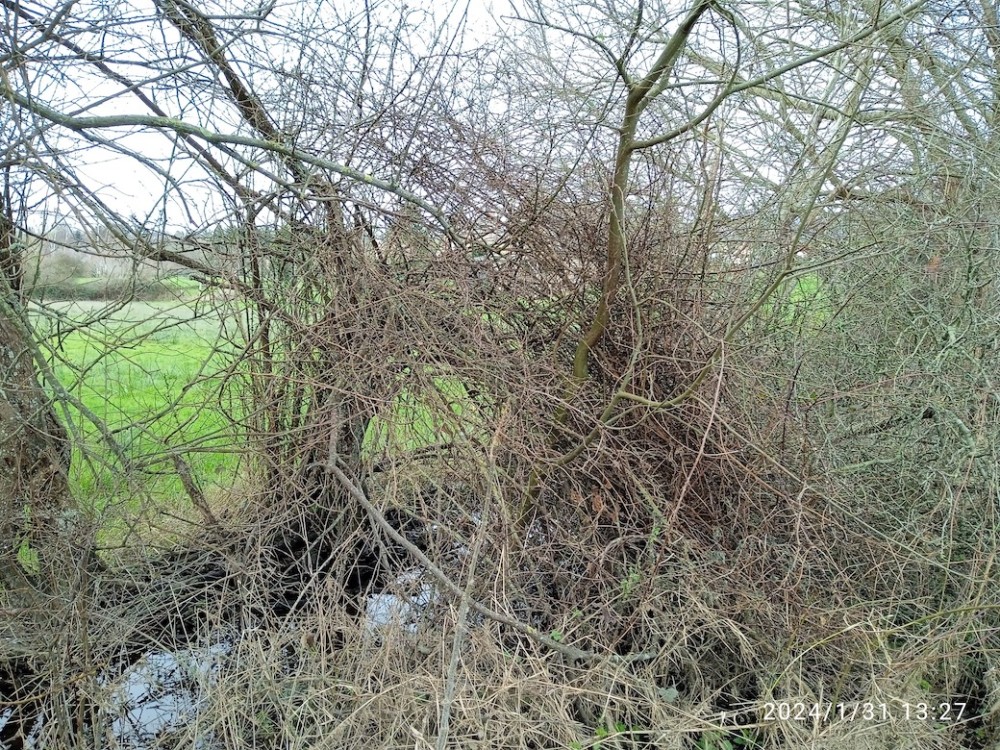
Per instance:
x=183, y=200
x=132, y=188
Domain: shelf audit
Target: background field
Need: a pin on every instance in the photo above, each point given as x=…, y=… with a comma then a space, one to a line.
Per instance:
x=147, y=372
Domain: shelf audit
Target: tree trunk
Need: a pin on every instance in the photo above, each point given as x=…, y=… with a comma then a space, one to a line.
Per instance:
x=34, y=451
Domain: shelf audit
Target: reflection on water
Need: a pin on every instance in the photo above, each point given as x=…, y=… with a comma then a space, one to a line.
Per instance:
x=159, y=694
x=163, y=692
x=401, y=609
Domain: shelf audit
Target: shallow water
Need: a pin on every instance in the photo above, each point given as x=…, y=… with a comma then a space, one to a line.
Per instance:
x=164, y=691
x=385, y=609
x=161, y=693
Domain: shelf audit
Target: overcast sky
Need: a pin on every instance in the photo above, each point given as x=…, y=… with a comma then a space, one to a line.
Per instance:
x=131, y=188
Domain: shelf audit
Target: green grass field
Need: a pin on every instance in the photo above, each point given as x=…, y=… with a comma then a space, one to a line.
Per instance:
x=144, y=371
x=444, y=413
x=147, y=374
x=798, y=305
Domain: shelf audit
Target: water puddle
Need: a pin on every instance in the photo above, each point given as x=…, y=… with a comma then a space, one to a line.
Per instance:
x=163, y=692
x=385, y=609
